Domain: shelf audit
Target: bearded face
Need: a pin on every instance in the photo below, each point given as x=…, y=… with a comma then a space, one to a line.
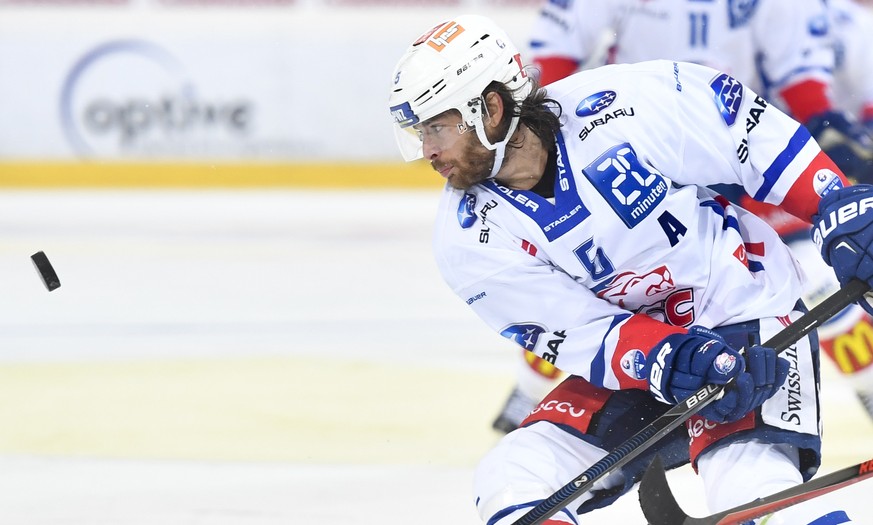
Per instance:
x=454, y=150
x=469, y=164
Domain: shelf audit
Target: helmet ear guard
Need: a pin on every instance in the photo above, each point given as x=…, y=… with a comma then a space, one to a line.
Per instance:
x=476, y=112
x=449, y=67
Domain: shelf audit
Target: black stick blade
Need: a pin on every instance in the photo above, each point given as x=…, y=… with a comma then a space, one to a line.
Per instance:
x=46, y=271
x=656, y=499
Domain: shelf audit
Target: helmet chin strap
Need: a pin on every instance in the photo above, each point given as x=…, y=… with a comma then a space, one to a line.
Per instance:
x=476, y=118
x=499, y=149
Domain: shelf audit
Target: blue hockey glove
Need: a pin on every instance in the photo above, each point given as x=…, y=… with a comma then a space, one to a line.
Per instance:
x=848, y=143
x=843, y=231
x=681, y=364
x=765, y=372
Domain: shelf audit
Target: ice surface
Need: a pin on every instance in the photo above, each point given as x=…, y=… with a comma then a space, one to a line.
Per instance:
x=257, y=357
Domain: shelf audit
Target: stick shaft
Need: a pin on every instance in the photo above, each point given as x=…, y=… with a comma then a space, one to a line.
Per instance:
x=792, y=496
x=660, y=507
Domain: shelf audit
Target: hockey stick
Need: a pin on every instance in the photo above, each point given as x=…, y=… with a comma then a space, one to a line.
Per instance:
x=681, y=412
x=661, y=508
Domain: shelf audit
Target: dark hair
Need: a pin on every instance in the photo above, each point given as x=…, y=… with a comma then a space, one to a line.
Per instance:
x=537, y=111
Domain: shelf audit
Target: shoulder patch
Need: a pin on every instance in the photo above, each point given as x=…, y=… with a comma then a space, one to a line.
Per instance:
x=728, y=96
x=466, y=213
x=524, y=335
x=593, y=104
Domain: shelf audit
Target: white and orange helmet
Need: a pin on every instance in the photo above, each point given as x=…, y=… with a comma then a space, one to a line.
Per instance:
x=449, y=67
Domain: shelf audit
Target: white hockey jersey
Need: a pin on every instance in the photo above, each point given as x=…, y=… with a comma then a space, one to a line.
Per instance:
x=766, y=44
x=852, y=32
x=632, y=245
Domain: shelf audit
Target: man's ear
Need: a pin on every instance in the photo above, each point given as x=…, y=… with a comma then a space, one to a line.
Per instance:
x=494, y=105
x=495, y=108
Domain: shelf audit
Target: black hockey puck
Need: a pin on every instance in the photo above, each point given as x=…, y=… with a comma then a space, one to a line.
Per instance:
x=45, y=270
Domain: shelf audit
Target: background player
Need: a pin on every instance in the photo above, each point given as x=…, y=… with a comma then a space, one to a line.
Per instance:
x=851, y=31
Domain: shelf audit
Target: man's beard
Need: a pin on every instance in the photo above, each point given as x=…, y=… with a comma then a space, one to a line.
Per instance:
x=472, y=166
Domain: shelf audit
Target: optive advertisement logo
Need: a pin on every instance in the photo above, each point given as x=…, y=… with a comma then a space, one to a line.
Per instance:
x=133, y=97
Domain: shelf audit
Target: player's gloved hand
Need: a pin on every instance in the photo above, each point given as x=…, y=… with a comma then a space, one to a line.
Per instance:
x=681, y=364
x=847, y=142
x=843, y=231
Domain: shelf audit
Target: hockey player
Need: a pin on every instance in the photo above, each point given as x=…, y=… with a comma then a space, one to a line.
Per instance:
x=607, y=255
x=777, y=48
